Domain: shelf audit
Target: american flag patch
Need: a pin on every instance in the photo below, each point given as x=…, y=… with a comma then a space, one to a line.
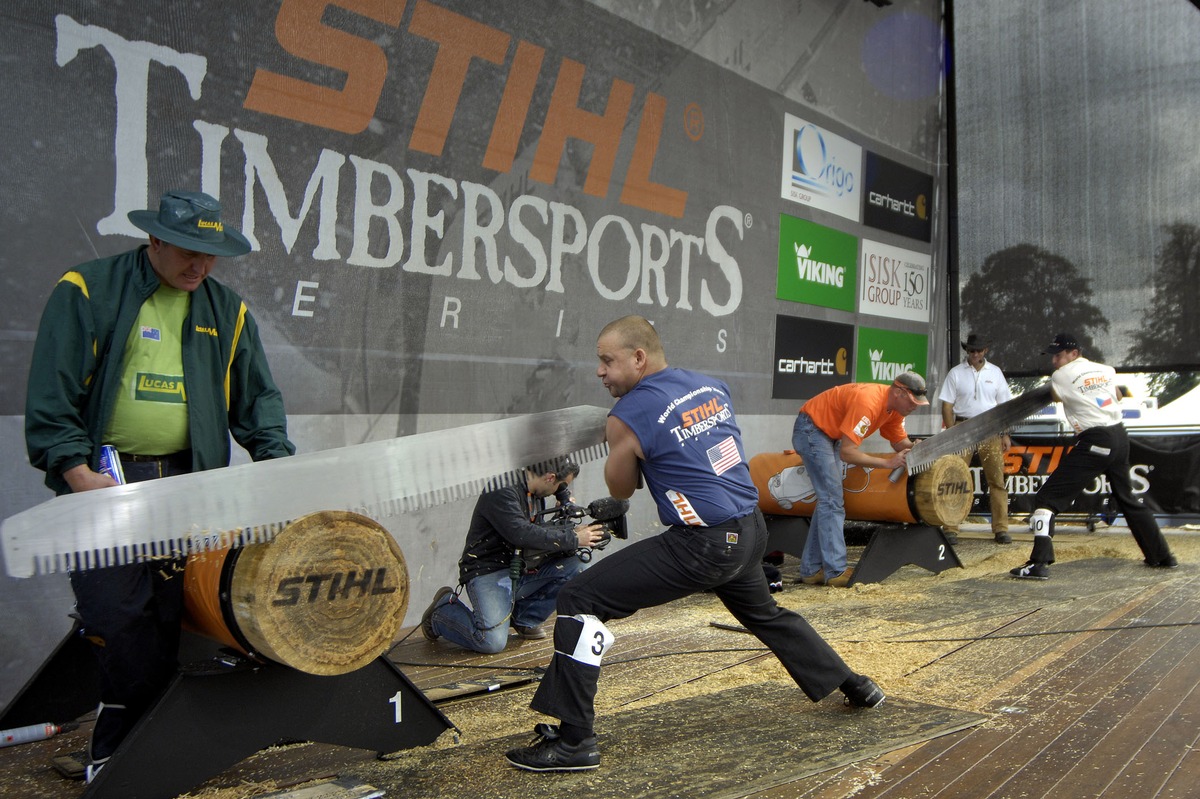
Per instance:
x=724, y=456
x=151, y=333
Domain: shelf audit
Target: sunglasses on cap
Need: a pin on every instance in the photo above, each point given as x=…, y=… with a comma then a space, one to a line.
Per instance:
x=915, y=392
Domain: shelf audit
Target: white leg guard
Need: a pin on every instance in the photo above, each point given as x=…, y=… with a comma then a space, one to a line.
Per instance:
x=594, y=640
x=1041, y=522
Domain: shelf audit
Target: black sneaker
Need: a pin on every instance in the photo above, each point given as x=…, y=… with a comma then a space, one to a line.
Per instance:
x=1167, y=563
x=1002, y=537
x=427, y=616
x=861, y=691
x=1031, y=571
x=551, y=753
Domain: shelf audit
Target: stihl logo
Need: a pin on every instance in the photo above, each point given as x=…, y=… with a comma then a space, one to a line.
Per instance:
x=466, y=48
x=948, y=489
x=291, y=590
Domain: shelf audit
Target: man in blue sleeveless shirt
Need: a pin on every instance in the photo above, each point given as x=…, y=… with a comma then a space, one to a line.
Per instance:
x=677, y=429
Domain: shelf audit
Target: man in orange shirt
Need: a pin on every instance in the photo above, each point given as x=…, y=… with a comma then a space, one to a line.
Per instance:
x=829, y=430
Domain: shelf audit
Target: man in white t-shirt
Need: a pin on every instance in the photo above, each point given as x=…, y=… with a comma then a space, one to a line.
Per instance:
x=1088, y=392
x=974, y=386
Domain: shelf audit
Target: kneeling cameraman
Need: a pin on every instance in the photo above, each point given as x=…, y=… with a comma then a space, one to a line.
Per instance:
x=501, y=591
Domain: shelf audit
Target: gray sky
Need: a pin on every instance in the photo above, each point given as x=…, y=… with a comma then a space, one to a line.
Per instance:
x=1078, y=133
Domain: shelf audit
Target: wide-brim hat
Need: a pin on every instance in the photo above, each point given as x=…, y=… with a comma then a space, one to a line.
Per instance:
x=192, y=220
x=976, y=342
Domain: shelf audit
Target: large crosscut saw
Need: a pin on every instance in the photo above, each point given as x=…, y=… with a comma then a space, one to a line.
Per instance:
x=965, y=435
x=250, y=503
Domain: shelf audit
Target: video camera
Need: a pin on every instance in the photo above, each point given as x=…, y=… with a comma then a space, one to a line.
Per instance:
x=608, y=512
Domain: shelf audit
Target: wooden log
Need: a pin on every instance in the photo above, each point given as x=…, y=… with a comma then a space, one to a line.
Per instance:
x=939, y=496
x=326, y=596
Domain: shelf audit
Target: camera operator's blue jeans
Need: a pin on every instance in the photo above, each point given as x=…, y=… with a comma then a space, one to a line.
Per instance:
x=483, y=627
x=825, y=547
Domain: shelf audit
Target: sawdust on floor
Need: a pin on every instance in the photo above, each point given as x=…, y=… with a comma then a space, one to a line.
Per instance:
x=869, y=644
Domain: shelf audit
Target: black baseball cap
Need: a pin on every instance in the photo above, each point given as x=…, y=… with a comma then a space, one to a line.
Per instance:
x=1063, y=341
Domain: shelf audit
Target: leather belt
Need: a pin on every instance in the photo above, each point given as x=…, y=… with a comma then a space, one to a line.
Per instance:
x=183, y=456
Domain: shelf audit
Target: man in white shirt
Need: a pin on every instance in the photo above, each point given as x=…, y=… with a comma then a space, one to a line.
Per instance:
x=974, y=386
x=1089, y=394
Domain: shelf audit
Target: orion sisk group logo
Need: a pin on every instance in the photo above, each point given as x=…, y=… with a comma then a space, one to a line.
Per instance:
x=810, y=356
x=816, y=264
x=821, y=169
x=883, y=354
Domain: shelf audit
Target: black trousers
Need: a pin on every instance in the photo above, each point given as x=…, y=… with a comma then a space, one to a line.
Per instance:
x=677, y=563
x=132, y=614
x=1104, y=451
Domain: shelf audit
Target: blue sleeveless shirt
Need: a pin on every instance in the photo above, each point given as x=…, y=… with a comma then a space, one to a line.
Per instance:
x=695, y=466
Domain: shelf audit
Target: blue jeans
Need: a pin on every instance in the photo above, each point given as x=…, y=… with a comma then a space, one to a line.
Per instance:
x=483, y=627
x=825, y=547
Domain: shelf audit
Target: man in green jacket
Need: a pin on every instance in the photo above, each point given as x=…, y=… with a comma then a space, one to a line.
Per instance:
x=143, y=352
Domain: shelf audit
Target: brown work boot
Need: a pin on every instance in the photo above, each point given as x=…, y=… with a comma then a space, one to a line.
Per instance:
x=1002, y=537
x=814, y=579
x=842, y=580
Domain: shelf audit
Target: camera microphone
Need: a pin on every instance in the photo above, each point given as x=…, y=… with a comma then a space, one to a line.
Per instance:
x=608, y=508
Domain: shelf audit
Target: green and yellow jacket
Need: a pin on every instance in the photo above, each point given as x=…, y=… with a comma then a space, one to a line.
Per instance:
x=76, y=370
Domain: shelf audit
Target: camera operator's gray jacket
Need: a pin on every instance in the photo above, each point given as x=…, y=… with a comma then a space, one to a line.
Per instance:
x=501, y=525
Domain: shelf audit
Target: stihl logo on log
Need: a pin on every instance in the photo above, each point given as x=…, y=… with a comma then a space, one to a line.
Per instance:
x=331, y=587
x=959, y=487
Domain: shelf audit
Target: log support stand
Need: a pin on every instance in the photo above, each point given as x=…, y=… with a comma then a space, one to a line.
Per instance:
x=222, y=710
x=891, y=546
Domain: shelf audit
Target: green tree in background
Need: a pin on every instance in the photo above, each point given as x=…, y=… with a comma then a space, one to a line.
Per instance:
x=1021, y=298
x=1170, y=331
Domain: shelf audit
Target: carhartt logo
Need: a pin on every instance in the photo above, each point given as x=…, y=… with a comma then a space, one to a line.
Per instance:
x=217, y=226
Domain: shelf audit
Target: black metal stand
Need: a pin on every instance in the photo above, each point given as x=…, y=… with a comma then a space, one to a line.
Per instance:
x=891, y=546
x=208, y=720
x=786, y=534
x=64, y=687
x=895, y=545
x=222, y=709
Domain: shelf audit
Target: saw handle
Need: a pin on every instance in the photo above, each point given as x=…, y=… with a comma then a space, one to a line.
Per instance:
x=900, y=470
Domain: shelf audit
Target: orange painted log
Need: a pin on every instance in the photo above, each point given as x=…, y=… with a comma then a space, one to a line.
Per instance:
x=938, y=496
x=326, y=596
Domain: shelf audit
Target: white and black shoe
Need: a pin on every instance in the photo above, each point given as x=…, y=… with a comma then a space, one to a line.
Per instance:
x=93, y=768
x=862, y=691
x=1031, y=571
x=550, y=752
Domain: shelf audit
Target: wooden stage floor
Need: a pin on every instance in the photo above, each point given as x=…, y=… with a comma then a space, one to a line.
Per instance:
x=1082, y=686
